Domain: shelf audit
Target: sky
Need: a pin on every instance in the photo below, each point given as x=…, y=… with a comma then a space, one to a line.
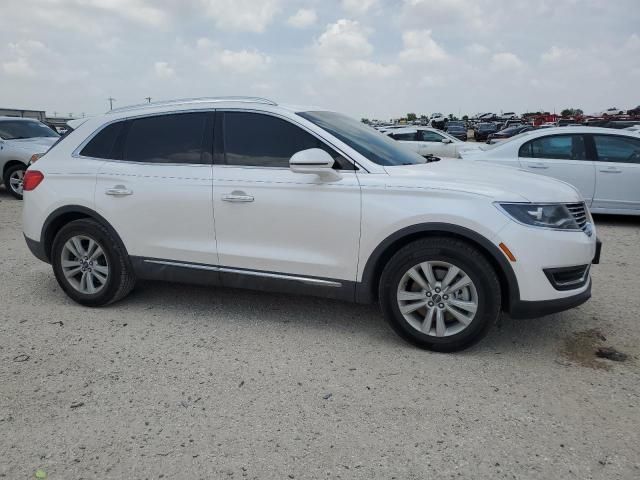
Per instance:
x=367, y=58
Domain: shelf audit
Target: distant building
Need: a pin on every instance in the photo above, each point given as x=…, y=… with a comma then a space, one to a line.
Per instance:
x=15, y=112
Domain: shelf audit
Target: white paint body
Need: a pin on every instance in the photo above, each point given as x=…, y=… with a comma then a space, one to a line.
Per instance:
x=279, y=220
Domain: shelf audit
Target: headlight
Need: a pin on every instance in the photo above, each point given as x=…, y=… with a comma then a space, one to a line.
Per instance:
x=556, y=216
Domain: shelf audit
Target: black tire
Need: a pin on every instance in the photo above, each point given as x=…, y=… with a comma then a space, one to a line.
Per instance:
x=6, y=179
x=120, y=280
x=460, y=254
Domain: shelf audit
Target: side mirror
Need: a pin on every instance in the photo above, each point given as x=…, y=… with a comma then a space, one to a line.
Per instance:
x=314, y=160
x=446, y=140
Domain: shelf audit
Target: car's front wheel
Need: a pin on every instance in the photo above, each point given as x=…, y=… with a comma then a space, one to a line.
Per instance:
x=13, y=178
x=440, y=294
x=91, y=265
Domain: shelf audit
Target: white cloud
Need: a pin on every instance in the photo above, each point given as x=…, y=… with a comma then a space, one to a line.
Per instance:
x=244, y=61
x=476, y=49
x=358, y=7
x=242, y=15
x=303, y=18
x=18, y=68
x=506, y=61
x=420, y=47
x=345, y=38
x=164, y=70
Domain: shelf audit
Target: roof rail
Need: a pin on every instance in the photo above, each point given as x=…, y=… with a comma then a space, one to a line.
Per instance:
x=186, y=101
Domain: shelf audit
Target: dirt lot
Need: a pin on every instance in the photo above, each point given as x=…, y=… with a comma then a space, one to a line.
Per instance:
x=181, y=382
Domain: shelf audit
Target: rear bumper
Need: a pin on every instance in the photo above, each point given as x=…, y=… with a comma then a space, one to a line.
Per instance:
x=533, y=309
x=36, y=248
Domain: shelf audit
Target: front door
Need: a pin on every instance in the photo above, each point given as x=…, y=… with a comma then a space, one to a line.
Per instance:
x=563, y=157
x=617, y=172
x=271, y=222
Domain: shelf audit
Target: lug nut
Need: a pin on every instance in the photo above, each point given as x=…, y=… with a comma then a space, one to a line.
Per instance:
x=430, y=304
x=446, y=297
x=441, y=305
x=437, y=290
x=428, y=294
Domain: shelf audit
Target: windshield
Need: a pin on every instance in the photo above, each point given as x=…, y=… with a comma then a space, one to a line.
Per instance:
x=455, y=128
x=18, y=129
x=365, y=140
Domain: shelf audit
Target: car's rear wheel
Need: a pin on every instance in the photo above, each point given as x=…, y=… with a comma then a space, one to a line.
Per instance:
x=90, y=264
x=440, y=294
x=13, y=178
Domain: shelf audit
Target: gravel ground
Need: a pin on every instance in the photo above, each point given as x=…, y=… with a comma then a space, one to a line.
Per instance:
x=182, y=382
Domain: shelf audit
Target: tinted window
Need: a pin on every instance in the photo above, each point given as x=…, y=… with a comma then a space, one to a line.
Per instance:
x=428, y=136
x=562, y=147
x=17, y=129
x=102, y=145
x=612, y=148
x=174, y=138
x=253, y=139
x=407, y=137
x=363, y=139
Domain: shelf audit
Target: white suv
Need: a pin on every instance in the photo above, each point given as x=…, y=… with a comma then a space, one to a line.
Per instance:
x=243, y=192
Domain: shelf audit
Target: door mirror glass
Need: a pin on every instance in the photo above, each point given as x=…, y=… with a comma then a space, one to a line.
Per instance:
x=313, y=160
x=446, y=140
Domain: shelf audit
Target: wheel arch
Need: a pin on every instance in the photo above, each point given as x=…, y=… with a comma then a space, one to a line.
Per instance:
x=367, y=289
x=62, y=216
x=10, y=163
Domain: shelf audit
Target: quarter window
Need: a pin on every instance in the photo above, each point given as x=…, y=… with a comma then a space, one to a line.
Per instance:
x=561, y=147
x=611, y=148
x=176, y=138
x=258, y=140
x=103, y=143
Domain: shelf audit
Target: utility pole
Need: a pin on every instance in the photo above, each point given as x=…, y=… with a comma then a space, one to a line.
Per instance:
x=55, y=114
x=148, y=99
x=111, y=100
x=70, y=115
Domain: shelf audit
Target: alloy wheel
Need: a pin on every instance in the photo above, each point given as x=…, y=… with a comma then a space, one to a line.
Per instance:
x=15, y=181
x=84, y=264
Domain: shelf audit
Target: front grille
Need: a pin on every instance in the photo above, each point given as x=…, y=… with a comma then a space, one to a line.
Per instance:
x=568, y=278
x=579, y=212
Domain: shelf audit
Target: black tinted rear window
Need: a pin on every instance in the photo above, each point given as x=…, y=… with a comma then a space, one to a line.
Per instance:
x=102, y=145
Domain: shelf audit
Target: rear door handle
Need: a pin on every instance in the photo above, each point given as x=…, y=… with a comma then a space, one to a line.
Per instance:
x=237, y=196
x=611, y=170
x=118, y=191
x=537, y=165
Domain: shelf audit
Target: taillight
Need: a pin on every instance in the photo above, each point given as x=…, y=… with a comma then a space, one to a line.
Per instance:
x=31, y=180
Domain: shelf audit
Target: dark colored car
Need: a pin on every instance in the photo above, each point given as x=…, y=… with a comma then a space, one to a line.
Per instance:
x=509, y=132
x=483, y=130
x=458, y=131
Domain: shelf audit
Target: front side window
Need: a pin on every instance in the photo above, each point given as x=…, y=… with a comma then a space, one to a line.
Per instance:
x=429, y=136
x=612, y=148
x=176, y=138
x=259, y=140
x=103, y=143
x=560, y=147
x=20, y=129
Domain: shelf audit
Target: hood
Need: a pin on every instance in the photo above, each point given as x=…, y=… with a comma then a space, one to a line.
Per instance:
x=480, y=178
x=41, y=144
x=469, y=147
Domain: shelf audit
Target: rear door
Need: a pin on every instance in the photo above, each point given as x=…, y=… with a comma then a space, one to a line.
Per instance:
x=617, y=172
x=563, y=157
x=156, y=187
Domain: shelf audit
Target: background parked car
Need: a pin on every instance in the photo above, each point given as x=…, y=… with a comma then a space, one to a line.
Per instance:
x=604, y=164
x=457, y=131
x=20, y=140
x=508, y=133
x=483, y=130
x=429, y=141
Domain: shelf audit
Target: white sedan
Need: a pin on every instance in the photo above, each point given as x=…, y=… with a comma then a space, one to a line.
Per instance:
x=431, y=141
x=603, y=163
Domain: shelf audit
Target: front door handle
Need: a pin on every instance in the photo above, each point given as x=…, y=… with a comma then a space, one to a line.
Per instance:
x=118, y=191
x=237, y=196
x=611, y=170
x=537, y=165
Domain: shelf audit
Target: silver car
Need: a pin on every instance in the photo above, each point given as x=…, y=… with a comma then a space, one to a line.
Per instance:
x=20, y=140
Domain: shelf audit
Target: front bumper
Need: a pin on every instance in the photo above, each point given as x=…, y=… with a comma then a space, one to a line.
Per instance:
x=533, y=309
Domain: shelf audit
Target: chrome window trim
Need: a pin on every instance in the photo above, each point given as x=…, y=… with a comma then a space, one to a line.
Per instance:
x=255, y=273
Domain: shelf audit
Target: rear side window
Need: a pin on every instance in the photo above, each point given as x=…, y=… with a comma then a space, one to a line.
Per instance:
x=258, y=140
x=613, y=148
x=560, y=147
x=103, y=144
x=176, y=138
x=407, y=137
